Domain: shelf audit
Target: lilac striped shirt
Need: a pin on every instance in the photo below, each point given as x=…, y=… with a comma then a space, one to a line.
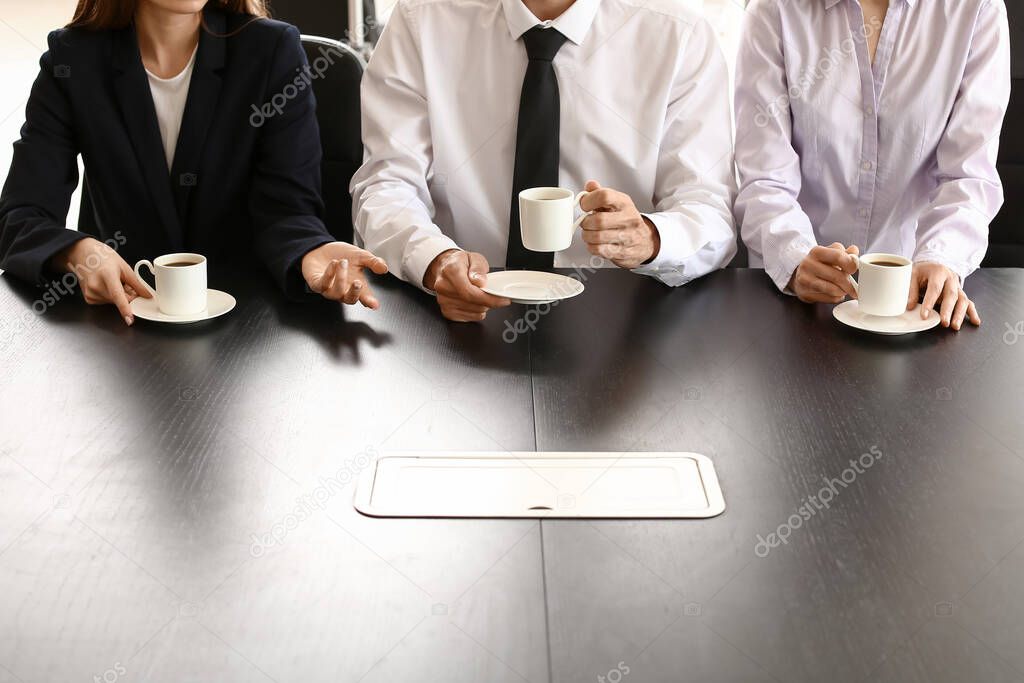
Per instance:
x=896, y=156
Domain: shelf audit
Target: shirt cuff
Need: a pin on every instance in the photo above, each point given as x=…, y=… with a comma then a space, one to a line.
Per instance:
x=785, y=264
x=667, y=265
x=419, y=258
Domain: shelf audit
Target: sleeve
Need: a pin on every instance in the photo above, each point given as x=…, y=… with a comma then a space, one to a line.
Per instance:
x=695, y=183
x=391, y=204
x=284, y=198
x=43, y=175
x=772, y=223
x=953, y=229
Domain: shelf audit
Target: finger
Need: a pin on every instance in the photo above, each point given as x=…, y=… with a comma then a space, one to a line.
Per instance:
x=365, y=259
x=468, y=290
x=611, y=252
x=853, y=249
x=117, y=296
x=972, y=314
x=603, y=199
x=608, y=235
x=329, y=278
x=460, y=305
x=462, y=314
x=129, y=277
x=809, y=282
x=835, y=257
x=342, y=282
x=592, y=185
x=832, y=275
x=478, y=268
x=960, y=311
x=322, y=282
x=353, y=293
x=367, y=298
x=931, y=295
x=914, y=298
x=950, y=294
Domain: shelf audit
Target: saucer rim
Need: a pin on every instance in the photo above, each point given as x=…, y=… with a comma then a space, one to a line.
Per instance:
x=933, y=321
x=520, y=300
x=186, y=319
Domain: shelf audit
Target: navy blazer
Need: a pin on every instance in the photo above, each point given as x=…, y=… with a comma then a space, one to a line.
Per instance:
x=245, y=180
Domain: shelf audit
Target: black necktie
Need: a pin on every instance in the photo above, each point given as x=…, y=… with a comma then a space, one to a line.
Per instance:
x=536, y=139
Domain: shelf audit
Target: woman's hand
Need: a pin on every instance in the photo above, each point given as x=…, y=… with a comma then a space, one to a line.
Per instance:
x=941, y=285
x=823, y=275
x=103, y=275
x=337, y=271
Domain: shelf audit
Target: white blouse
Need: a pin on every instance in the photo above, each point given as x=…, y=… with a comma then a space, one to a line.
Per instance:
x=169, y=96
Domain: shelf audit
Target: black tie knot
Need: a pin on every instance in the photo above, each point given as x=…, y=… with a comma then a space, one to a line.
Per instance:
x=542, y=44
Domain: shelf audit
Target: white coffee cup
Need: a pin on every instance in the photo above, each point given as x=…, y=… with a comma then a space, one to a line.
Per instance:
x=546, y=217
x=882, y=289
x=180, y=282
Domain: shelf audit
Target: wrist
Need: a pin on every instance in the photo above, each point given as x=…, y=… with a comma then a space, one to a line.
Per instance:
x=430, y=276
x=655, y=239
x=64, y=259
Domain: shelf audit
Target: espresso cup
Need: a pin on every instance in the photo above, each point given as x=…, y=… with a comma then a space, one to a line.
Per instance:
x=546, y=217
x=180, y=282
x=883, y=283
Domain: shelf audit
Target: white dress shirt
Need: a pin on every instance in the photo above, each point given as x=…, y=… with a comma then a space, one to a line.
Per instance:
x=169, y=97
x=644, y=110
x=897, y=156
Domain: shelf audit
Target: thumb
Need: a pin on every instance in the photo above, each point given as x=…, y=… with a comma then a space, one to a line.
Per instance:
x=129, y=277
x=592, y=185
x=478, y=268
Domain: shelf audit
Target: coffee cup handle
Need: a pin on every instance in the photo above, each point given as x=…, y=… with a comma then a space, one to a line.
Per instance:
x=576, y=205
x=138, y=267
x=856, y=287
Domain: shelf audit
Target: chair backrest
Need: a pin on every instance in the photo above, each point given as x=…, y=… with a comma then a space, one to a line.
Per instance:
x=337, y=112
x=328, y=19
x=1006, y=234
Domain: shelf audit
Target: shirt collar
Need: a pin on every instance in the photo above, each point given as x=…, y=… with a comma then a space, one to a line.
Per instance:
x=574, y=23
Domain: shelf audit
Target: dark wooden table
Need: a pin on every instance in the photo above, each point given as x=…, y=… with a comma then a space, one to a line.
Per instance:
x=175, y=503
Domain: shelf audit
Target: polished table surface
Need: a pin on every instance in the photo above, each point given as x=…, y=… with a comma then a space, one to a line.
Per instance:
x=175, y=503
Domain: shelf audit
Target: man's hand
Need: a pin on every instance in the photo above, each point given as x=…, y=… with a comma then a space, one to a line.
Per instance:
x=103, y=275
x=457, y=276
x=823, y=275
x=616, y=230
x=337, y=271
x=941, y=285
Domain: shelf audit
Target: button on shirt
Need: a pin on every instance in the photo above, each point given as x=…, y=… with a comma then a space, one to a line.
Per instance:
x=896, y=156
x=644, y=110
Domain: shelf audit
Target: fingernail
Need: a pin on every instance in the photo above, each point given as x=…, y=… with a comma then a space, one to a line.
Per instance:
x=344, y=262
x=474, y=276
x=129, y=319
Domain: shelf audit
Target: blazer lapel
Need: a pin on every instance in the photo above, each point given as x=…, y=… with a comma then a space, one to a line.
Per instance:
x=203, y=94
x=131, y=88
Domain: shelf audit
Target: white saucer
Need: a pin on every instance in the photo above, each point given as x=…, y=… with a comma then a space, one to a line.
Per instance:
x=217, y=304
x=909, y=322
x=531, y=286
